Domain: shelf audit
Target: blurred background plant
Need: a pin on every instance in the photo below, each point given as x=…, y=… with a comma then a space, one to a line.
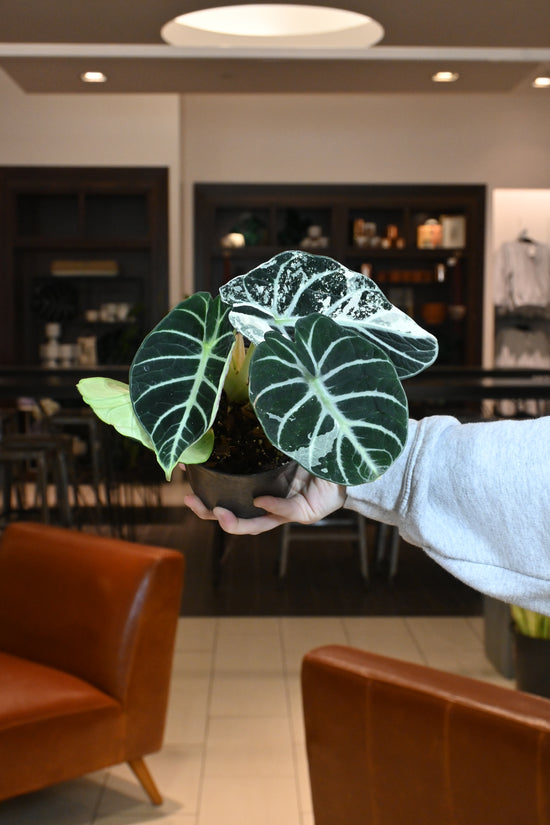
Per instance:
x=530, y=623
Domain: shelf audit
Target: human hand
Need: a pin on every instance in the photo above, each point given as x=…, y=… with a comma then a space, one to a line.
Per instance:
x=309, y=500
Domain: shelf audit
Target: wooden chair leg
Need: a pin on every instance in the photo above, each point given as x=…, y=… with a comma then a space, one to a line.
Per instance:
x=141, y=771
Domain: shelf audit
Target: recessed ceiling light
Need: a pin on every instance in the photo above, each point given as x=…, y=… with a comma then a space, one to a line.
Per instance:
x=445, y=77
x=541, y=82
x=93, y=77
x=269, y=25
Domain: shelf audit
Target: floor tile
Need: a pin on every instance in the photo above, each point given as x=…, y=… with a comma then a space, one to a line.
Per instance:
x=389, y=636
x=196, y=633
x=248, y=653
x=254, y=694
x=248, y=626
x=249, y=801
x=249, y=747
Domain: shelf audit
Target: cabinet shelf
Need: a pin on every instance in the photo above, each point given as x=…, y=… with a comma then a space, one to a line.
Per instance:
x=278, y=216
x=413, y=252
x=117, y=216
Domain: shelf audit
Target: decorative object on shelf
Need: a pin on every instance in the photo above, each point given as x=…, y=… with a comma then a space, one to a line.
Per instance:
x=393, y=240
x=365, y=233
x=70, y=268
x=233, y=240
x=453, y=231
x=54, y=301
x=320, y=382
x=87, y=350
x=531, y=650
x=314, y=238
x=429, y=234
x=68, y=355
x=457, y=312
x=434, y=312
x=50, y=350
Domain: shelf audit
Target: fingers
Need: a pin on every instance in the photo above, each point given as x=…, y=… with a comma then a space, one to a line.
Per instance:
x=230, y=523
x=195, y=504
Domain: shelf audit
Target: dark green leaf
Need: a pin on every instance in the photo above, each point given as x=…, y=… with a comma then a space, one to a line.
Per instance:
x=331, y=399
x=177, y=375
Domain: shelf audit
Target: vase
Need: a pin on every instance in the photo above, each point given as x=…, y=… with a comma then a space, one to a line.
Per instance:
x=236, y=492
x=532, y=660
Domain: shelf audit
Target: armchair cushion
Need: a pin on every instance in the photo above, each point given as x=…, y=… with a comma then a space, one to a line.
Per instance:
x=87, y=629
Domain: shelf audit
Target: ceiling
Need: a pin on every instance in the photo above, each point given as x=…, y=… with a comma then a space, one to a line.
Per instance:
x=497, y=46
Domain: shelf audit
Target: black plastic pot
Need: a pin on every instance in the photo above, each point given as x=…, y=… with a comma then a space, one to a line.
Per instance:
x=532, y=660
x=236, y=492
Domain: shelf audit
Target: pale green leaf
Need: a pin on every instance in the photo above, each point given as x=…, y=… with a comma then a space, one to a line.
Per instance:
x=200, y=451
x=110, y=400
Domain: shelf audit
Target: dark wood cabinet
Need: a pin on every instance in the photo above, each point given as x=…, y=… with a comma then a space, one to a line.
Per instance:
x=84, y=248
x=381, y=230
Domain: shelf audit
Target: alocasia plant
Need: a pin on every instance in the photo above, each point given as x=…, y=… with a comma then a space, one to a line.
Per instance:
x=327, y=356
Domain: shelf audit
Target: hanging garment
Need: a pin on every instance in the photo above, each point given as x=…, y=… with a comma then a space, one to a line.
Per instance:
x=522, y=278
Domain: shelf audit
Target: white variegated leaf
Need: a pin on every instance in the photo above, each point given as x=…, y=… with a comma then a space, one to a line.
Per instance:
x=177, y=376
x=292, y=285
x=330, y=399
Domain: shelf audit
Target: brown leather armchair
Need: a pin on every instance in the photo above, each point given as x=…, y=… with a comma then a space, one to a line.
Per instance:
x=395, y=743
x=87, y=629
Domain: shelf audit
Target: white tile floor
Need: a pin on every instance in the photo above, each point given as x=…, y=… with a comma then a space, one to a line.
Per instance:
x=234, y=745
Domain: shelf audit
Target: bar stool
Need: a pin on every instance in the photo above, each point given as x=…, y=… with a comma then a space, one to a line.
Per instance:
x=85, y=424
x=14, y=464
x=58, y=455
x=324, y=530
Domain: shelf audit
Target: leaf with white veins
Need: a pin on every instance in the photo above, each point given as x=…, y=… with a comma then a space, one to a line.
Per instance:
x=331, y=399
x=177, y=375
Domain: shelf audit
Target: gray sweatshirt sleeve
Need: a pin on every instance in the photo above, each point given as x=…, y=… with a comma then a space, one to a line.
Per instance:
x=476, y=498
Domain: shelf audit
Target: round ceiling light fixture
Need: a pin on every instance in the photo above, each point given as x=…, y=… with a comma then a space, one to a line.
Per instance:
x=445, y=77
x=541, y=82
x=273, y=26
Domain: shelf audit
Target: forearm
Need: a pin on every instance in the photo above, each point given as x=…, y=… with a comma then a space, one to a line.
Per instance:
x=474, y=497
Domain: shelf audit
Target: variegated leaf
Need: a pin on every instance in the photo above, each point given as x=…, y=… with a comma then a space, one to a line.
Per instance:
x=177, y=375
x=331, y=399
x=292, y=285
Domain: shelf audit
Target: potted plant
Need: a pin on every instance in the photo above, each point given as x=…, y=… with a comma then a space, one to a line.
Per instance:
x=531, y=650
x=319, y=382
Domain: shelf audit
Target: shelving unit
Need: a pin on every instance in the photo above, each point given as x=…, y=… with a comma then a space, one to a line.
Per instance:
x=440, y=287
x=86, y=248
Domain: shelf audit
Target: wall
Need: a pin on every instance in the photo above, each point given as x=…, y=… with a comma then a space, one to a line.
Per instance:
x=110, y=130
x=501, y=141
x=495, y=140
x=516, y=210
